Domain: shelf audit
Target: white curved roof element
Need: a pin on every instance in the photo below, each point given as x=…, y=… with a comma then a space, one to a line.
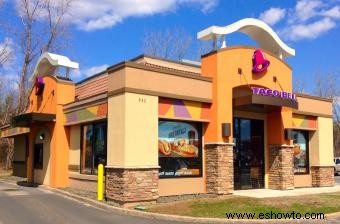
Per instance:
x=256, y=29
x=48, y=63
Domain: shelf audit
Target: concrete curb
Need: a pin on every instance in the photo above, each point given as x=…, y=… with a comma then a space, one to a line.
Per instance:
x=165, y=217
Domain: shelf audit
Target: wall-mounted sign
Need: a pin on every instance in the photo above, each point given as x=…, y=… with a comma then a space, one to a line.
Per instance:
x=274, y=93
x=179, y=149
x=39, y=85
x=260, y=63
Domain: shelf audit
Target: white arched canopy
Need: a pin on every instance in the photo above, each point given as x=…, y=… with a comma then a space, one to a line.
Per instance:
x=256, y=29
x=48, y=63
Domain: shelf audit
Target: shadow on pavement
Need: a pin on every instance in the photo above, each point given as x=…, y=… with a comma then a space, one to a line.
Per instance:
x=26, y=184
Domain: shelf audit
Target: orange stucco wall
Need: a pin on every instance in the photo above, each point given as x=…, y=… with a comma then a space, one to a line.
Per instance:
x=223, y=66
x=46, y=103
x=56, y=93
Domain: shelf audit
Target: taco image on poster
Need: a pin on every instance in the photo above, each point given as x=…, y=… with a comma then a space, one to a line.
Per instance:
x=183, y=149
x=296, y=149
x=164, y=147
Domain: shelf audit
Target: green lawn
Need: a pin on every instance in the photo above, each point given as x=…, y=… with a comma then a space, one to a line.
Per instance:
x=321, y=203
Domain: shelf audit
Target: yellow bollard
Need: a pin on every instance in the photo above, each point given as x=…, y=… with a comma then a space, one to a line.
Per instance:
x=100, y=194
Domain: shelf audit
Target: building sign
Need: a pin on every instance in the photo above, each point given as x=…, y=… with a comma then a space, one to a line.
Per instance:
x=39, y=85
x=274, y=93
x=260, y=63
x=179, y=149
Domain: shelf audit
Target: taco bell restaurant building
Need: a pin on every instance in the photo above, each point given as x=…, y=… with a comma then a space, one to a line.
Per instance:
x=164, y=128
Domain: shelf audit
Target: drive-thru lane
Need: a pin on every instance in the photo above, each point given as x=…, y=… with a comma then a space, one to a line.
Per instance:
x=20, y=204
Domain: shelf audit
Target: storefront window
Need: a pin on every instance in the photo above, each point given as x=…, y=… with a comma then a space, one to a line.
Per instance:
x=93, y=151
x=301, y=150
x=179, y=149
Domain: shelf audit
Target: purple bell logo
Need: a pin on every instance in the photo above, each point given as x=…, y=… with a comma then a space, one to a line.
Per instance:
x=260, y=63
x=39, y=86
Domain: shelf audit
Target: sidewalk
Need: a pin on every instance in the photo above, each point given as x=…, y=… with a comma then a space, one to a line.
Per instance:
x=268, y=193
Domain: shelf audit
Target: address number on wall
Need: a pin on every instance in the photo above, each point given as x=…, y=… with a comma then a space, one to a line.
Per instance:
x=142, y=100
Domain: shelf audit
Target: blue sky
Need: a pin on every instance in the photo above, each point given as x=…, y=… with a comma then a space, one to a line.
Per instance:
x=108, y=31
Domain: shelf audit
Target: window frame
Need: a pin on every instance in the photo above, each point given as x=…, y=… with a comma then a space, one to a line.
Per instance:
x=93, y=124
x=200, y=127
x=307, y=137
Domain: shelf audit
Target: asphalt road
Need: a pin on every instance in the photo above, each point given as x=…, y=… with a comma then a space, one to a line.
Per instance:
x=28, y=205
x=35, y=205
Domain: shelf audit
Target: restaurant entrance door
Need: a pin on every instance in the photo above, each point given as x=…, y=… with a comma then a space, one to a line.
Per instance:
x=248, y=153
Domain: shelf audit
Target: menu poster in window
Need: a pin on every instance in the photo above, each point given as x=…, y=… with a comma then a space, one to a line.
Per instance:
x=178, y=139
x=300, y=152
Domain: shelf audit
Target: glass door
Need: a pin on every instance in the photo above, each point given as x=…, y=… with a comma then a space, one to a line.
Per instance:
x=99, y=145
x=93, y=150
x=248, y=153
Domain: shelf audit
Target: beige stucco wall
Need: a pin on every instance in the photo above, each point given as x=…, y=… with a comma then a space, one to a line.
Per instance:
x=19, y=148
x=321, y=143
x=310, y=105
x=161, y=84
x=178, y=186
x=303, y=180
x=325, y=126
x=74, y=152
x=132, y=130
x=116, y=130
x=313, y=148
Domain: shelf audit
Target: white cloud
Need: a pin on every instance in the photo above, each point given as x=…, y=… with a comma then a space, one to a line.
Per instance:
x=90, y=15
x=308, y=19
x=87, y=72
x=273, y=15
x=10, y=80
x=308, y=31
x=306, y=9
x=333, y=12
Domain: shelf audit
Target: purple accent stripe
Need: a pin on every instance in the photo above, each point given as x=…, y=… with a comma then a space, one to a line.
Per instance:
x=72, y=117
x=180, y=109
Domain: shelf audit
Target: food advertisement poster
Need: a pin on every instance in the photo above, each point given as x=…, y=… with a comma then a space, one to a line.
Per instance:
x=179, y=149
x=300, y=152
x=177, y=139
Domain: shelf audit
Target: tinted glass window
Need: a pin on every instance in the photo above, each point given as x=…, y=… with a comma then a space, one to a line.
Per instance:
x=301, y=151
x=93, y=150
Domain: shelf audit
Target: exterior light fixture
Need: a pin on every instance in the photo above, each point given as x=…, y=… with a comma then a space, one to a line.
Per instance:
x=42, y=136
x=226, y=130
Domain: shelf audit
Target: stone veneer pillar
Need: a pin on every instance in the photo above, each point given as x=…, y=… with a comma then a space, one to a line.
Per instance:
x=219, y=168
x=281, y=167
x=131, y=185
x=322, y=176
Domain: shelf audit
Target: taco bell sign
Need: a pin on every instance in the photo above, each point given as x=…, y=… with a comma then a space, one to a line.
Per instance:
x=274, y=93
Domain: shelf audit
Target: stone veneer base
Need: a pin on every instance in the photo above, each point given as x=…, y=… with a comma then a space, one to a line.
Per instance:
x=219, y=169
x=322, y=176
x=131, y=185
x=281, y=167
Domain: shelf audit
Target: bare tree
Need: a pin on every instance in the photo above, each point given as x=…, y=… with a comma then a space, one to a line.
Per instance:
x=6, y=53
x=299, y=85
x=43, y=29
x=170, y=43
x=7, y=109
